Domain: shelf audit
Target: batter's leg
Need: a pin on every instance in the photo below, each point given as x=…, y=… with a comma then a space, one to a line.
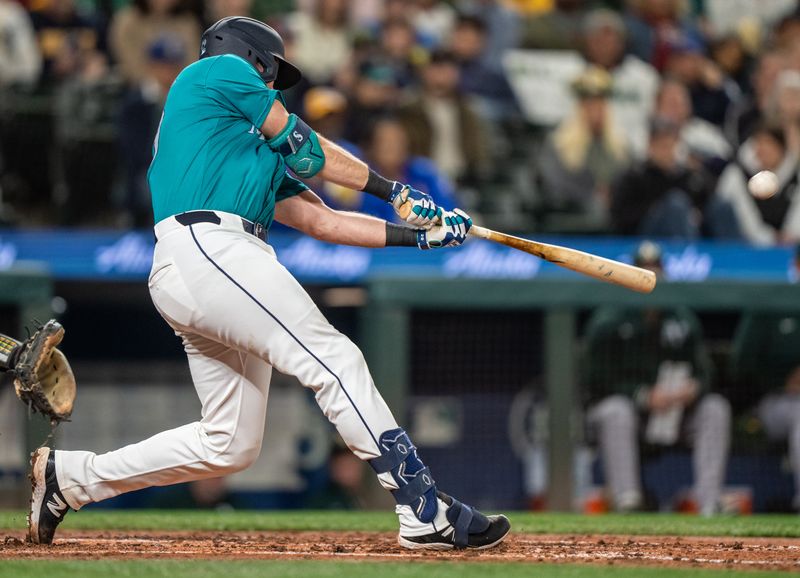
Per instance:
x=242, y=297
x=232, y=387
x=710, y=426
x=276, y=319
x=617, y=425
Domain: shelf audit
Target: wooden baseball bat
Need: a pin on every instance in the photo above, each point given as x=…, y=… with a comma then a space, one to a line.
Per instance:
x=607, y=270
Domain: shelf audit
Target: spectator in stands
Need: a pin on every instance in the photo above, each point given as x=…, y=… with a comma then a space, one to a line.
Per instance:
x=748, y=112
x=20, y=60
x=787, y=30
x=502, y=26
x=388, y=150
x=66, y=39
x=785, y=108
x=140, y=113
x=723, y=17
x=444, y=126
x=557, y=29
x=585, y=152
x=321, y=40
x=777, y=218
x=325, y=111
x=729, y=55
x=396, y=9
x=484, y=82
x=386, y=146
x=701, y=142
x=766, y=359
x=653, y=26
x=219, y=9
x=635, y=82
x=711, y=91
x=433, y=20
x=648, y=378
x=399, y=49
x=661, y=197
x=375, y=94
x=84, y=105
x=137, y=26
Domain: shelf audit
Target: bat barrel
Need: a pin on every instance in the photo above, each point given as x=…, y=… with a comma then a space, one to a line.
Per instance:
x=607, y=270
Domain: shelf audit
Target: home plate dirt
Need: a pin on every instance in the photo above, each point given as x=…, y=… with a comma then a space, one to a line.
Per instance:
x=755, y=553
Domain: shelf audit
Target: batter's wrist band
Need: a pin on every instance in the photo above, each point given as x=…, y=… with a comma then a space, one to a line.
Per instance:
x=399, y=236
x=379, y=186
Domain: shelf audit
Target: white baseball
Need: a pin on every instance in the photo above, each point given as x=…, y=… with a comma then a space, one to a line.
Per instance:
x=763, y=184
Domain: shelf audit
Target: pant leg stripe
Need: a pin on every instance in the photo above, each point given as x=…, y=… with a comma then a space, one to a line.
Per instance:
x=292, y=335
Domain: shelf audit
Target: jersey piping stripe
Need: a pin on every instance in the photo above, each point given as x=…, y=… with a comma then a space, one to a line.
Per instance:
x=293, y=336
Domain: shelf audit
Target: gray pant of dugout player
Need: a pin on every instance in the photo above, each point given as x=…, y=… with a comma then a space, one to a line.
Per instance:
x=780, y=414
x=706, y=427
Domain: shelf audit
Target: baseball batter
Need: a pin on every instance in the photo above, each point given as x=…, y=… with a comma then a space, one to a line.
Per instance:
x=218, y=179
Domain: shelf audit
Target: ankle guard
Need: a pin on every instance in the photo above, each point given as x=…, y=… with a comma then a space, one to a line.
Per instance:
x=416, y=487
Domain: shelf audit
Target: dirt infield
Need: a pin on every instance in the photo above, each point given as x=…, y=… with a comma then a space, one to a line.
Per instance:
x=756, y=553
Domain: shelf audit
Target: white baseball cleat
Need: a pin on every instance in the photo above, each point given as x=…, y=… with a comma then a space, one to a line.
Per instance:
x=456, y=526
x=48, y=506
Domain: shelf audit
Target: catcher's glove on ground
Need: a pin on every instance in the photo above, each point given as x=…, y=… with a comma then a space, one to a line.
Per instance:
x=43, y=378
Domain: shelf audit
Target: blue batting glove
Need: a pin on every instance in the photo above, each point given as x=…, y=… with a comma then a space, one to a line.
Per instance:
x=423, y=211
x=450, y=232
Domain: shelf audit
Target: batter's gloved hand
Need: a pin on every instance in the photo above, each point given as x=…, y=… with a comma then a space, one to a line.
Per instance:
x=451, y=231
x=414, y=207
x=43, y=378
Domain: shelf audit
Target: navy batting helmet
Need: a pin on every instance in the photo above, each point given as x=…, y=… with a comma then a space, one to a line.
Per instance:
x=255, y=42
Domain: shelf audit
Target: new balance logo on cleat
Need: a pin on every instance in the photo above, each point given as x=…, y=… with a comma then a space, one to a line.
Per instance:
x=48, y=505
x=57, y=508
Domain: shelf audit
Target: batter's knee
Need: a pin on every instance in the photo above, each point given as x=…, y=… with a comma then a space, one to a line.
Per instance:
x=231, y=453
x=350, y=364
x=715, y=409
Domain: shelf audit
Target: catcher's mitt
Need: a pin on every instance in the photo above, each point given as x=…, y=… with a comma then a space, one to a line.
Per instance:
x=43, y=378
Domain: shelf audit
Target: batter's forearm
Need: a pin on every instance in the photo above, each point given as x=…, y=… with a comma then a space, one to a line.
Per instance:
x=343, y=168
x=307, y=213
x=356, y=229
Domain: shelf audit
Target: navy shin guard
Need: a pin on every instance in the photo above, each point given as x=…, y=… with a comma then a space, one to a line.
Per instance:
x=416, y=487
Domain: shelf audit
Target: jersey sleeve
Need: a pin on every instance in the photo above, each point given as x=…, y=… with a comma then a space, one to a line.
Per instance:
x=289, y=187
x=236, y=86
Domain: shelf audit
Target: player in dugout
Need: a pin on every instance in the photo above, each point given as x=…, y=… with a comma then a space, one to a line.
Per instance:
x=647, y=376
x=219, y=176
x=766, y=361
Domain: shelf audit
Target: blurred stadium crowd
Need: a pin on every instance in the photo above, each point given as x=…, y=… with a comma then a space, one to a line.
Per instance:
x=672, y=106
x=624, y=117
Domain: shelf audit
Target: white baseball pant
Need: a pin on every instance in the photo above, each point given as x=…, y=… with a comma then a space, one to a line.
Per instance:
x=708, y=426
x=239, y=313
x=780, y=414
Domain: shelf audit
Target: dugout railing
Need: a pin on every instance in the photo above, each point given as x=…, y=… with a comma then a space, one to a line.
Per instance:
x=401, y=311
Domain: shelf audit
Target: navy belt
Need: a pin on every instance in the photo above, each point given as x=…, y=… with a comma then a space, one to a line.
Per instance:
x=194, y=217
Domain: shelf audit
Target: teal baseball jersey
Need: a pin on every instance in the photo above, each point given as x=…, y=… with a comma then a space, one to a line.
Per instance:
x=209, y=152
